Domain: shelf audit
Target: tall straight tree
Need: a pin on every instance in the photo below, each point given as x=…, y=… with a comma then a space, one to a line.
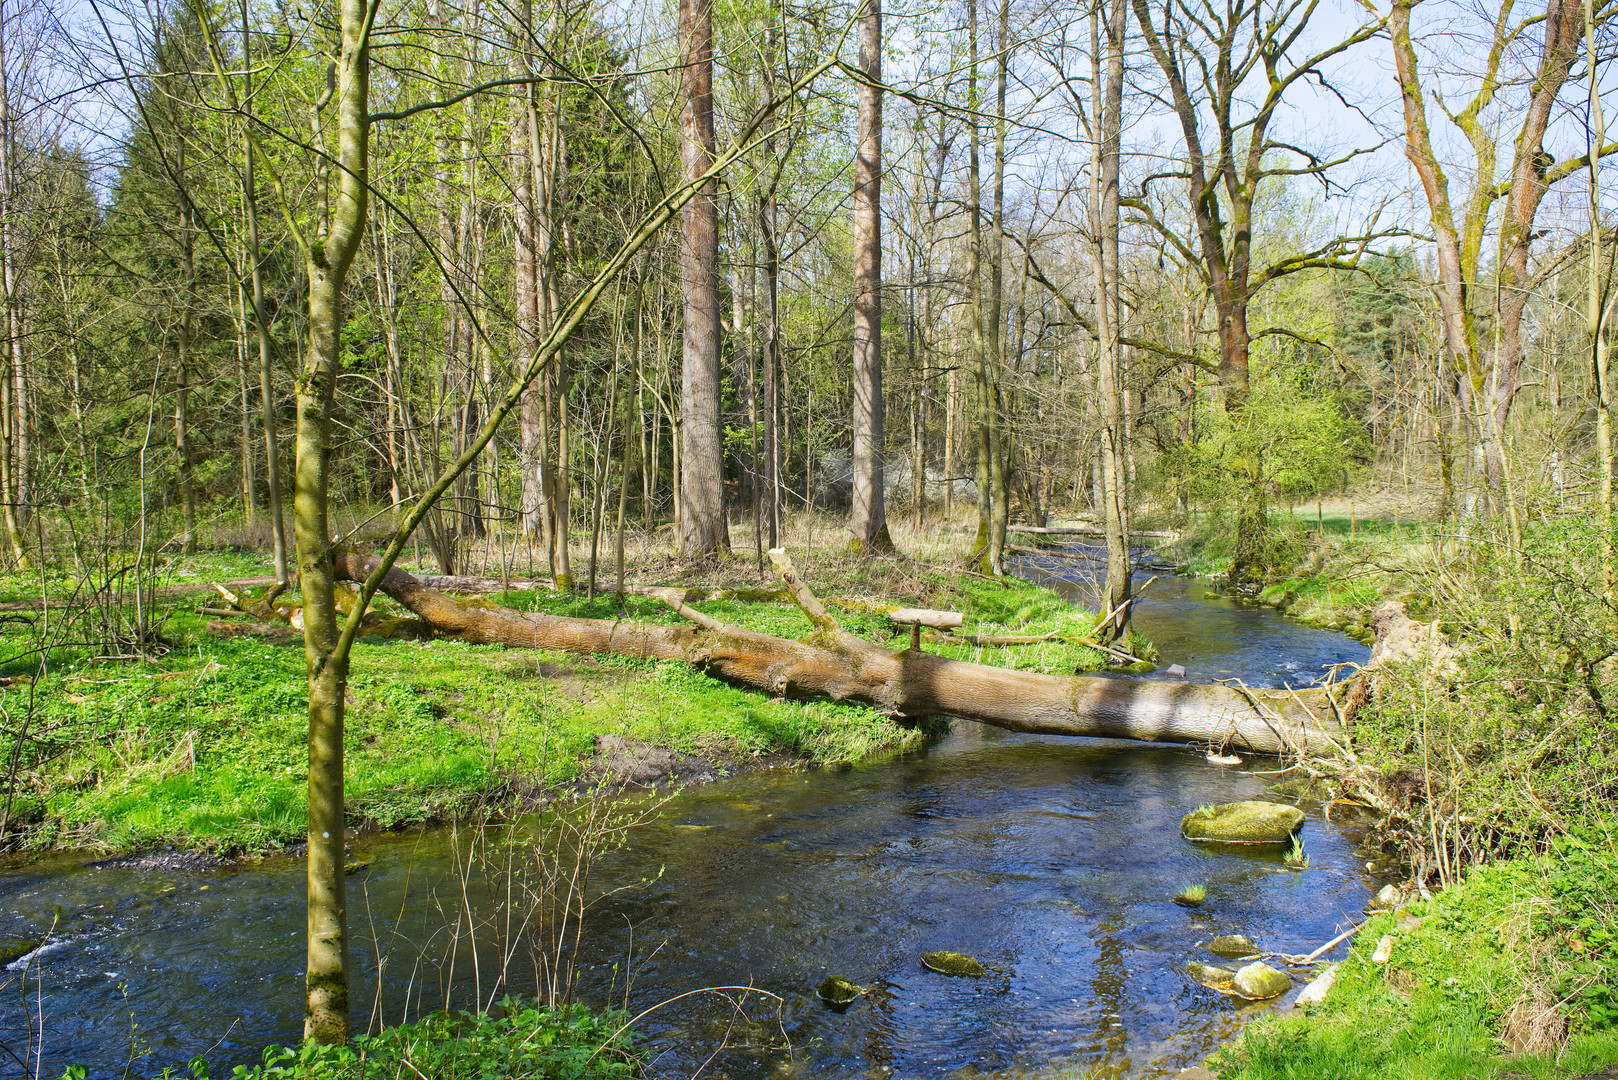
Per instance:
x=261, y=323
x=703, y=530
x=869, y=522
x=10, y=241
x=327, y=257
x=1107, y=101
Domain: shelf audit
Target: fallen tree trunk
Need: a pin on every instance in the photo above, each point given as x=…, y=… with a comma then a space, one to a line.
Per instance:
x=835, y=664
x=1088, y=530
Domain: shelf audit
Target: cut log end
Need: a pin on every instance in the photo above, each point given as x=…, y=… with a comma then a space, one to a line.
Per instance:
x=937, y=620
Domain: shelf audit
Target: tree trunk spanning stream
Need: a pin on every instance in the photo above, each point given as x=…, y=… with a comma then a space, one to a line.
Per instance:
x=835, y=664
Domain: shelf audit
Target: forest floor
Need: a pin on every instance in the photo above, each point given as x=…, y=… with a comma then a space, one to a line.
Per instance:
x=203, y=747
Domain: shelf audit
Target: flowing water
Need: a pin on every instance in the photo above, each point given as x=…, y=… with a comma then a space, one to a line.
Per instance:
x=1051, y=860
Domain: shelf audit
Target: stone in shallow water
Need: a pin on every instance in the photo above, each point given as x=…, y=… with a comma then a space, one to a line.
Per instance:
x=1258, y=981
x=1232, y=945
x=1214, y=978
x=14, y=947
x=952, y=963
x=1243, y=823
x=838, y=992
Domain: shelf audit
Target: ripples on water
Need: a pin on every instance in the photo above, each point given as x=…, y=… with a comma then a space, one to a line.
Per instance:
x=1051, y=860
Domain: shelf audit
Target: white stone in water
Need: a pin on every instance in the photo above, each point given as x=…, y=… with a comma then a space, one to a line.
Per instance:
x=1318, y=988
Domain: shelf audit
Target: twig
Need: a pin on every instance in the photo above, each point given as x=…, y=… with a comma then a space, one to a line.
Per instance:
x=673, y=598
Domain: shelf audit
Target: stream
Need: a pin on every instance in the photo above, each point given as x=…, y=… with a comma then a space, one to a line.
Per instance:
x=1052, y=860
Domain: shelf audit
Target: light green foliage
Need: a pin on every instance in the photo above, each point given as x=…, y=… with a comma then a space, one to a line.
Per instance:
x=1291, y=440
x=518, y=1042
x=1519, y=745
x=1582, y=871
x=1436, y=1011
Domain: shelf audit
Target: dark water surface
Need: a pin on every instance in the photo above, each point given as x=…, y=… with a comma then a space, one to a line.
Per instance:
x=1051, y=860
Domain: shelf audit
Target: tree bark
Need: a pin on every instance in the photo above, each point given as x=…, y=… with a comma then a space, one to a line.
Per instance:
x=10, y=241
x=903, y=684
x=703, y=529
x=329, y=258
x=868, y=522
x=1107, y=107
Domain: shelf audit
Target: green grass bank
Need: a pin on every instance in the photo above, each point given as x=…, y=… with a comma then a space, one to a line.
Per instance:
x=204, y=747
x=1510, y=974
x=1492, y=769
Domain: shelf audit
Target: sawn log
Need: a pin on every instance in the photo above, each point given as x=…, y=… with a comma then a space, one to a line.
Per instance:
x=835, y=664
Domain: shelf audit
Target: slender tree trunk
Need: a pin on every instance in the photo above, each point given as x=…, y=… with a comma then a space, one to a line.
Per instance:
x=9, y=241
x=182, y=380
x=1594, y=309
x=997, y=444
x=769, y=352
x=261, y=323
x=1107, y=97
x=976, y=299
x=525, y=290
x=869, y=522
x=703, y=529
x=245, y=448
x=329, y=258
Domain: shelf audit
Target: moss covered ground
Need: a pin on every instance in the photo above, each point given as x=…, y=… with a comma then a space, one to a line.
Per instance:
x=203, y=746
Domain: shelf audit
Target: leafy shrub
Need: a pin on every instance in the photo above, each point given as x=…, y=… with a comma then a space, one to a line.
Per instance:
x=1519, y=745
x=1584, y=914
x=517, y=1041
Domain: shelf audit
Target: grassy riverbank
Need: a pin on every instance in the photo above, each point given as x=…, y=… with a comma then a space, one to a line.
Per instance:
x=1492, y=770
x=203, y=747
x=1510, y=974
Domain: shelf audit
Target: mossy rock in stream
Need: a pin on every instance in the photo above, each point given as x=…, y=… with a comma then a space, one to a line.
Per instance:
x=1214, y=978
x=1249, y=822
x=838, y=992
x=1231, y=946
x=15, y=947
x=1258, y=981
x=953, y=963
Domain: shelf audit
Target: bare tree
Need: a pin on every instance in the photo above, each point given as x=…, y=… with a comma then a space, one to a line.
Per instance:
x=1487, y=374
x=1208, y=58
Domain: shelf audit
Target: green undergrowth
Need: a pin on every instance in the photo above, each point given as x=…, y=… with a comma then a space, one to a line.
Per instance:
x=1011, y=607
x=1326, y=573
x=205, y=747
x=1501, y=978
x=514, y=1041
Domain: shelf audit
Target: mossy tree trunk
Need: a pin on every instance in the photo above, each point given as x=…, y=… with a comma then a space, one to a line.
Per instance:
x=832, y=663
x=328, y=256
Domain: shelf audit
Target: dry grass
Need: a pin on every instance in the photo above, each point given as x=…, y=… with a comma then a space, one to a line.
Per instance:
x=818, y=543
